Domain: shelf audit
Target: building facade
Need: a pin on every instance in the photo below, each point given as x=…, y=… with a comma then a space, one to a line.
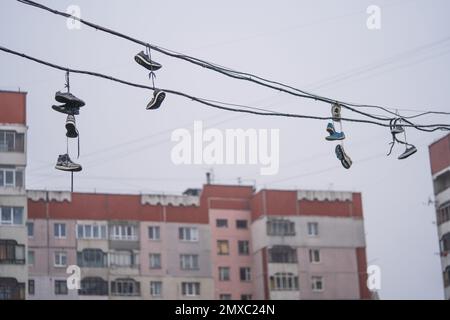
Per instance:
x=13, y=198
x=440, y=170
x=221, y=242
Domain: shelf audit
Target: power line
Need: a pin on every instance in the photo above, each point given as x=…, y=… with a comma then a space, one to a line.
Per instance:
x=222, y=106
x=223, y=70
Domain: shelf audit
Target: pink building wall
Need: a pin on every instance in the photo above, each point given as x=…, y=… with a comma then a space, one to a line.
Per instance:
x=234, y=286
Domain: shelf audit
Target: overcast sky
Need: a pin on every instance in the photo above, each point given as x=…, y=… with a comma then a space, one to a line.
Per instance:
x=323, y=46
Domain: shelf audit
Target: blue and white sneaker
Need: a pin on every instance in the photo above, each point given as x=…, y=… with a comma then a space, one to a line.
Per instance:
x=330, y=128
x=336, y=136
x=343, y=157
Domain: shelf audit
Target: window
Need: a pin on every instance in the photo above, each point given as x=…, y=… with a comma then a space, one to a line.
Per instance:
x=124, y=259
x=91, y=258
x=11, y=252
x=156, y=288
x=59, y=230
x=443, y=213
x=155, y=261
x=225, y=296
x=153, y=233
x=31, y=287
x=61, y=287
x=190, y=289
x=223, y=247
x=30, y=258
x=224, y=273
x=313, y=229
x=11, y=178
x=30, y=229
x=188, y=234
x=246, y=297
x=282, y=254
x=447, y=277
x=125, y=287
x=11, y=141
x=245, y=274
x=316, y=284
x=91, y=231
x=314, y=255
x=222, y=223
x=284, y=281
x=10, y=289
x=243, y=247
x=11, y=215
x=123, y=232
x=241, y=224
x=445, y=242
x=93, y=286
x=189, y=262
x=60, y=259
x=280, y=227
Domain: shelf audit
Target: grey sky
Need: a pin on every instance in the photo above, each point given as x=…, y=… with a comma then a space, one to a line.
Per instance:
x=317, y=45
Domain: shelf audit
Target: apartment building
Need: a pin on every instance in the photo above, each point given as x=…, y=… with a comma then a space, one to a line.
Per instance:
x=440, y=170
x=13, y=199
x=220, y=242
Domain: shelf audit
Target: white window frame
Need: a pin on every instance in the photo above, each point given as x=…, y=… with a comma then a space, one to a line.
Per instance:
x=314, y=281
x=152, y=258
x=245, y=246
x=313, y=231
x=156, y=288
x=281, y=281
x=31, y=254
x=189, y=289
x=188, y=234
x=59, y=227
x=156, y=233
x=189, y=262
x=120, y=232
x=313, y=256
x=248, y=274
x=221, y=274
x=102, y=231
x=59, y=256
x=12, y=213
x=28, y=224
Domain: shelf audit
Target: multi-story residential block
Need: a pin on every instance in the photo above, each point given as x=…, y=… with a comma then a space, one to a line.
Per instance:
x=224, y=242
x=440, y=170
x=13, y=199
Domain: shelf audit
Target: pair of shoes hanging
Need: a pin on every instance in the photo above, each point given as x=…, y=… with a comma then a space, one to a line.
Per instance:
x=397, y=128
x=145, y=60
x=338, y=136
x=71, y=106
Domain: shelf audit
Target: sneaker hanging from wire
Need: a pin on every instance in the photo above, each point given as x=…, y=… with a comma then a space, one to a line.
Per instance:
x=343, y=157
x=396, y=128
x=71, y=128
x=144, y=60
x=410, y=150
x=69, y=99
x=158, y=98
x=65, y=164
x=334, y=135
x=336, y=112
x=66, y=109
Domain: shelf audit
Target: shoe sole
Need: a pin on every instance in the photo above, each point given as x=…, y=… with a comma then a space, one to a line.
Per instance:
x=339, y=152
x=330, y=138
x=407, y=154
x=68, y=169
x=71, y=130
x=65, y=111
x=145, y=64
x=156, y=103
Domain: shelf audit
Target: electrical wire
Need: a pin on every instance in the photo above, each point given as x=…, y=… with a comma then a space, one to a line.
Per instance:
x=223, y=105
x=223, y=70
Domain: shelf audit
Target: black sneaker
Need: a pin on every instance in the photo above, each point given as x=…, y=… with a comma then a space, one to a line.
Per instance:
x=345, y=159
x=67, y=109
x=72, y=131
x=143, y=59
x=158, y=98
x=69, y=99
x=65, y=164
x=408, y=152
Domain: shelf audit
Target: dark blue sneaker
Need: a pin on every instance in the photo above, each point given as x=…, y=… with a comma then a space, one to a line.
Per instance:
x=69, y=99
x=343, y=157
x=158, y=98
x=144, y=60
x=408, y=152
x=330, y=128
x=67, y=109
